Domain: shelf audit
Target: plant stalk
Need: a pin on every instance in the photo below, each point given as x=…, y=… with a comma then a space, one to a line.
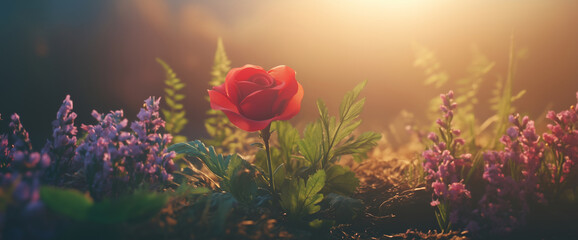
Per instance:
x=265, y=135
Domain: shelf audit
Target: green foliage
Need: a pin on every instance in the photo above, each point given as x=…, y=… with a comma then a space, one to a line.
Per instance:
x=442, y=217
x=222, y=203
x=467, y=91
x=280, y=172
x=210, y=214
x=300, y=199
x=332, y=133
x=73, y=204
x=237, y=175
x=309, y=146
x=174, y=115
x=503, y=98
x=426, y=59
x=67, y=202
x=288, y=138
x=340, y=180
x=345, y=208
x=185, y=190
x=224, y=135
x=221, y=65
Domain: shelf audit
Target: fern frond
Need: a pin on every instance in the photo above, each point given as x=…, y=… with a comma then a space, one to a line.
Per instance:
x=173, y=112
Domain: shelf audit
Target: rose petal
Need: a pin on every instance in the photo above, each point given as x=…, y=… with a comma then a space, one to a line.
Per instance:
x=293, y=106
x=245, y=123
x=259, y=105
x=245, y=88
x=220, y=102
x=286, y=83
x=239, y=74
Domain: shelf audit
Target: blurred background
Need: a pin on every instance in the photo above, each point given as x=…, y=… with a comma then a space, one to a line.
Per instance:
x=103, y=52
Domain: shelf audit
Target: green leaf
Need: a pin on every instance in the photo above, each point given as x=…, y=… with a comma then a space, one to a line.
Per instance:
x=67, y=202
x=221, y=65
x=309, y=146
x=179, y=97
x=177, y=107
x=258, y=145
x=138, y=206
x=300, y=198
x=288, y=138
x=170, y=103
x=186, y=189
x=223, y=203
x=346, y=208
x=173, y=115
x=287, y=135
x=341, y=180
x=71, y=203
x=169, y=92
x=346, y=130
x=217, y=163
x=179, y=86
x=345, y=108
x=360, y=146
x=179, y=139
x=166, y=113
x=242, y=181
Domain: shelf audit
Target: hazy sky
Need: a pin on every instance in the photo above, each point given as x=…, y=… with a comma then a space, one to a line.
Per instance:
x=103, y=53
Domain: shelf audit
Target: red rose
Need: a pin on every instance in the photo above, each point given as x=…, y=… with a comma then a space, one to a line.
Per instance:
x=252, y=98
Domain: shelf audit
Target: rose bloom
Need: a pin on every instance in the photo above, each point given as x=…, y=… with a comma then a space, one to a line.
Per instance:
x=252, y=98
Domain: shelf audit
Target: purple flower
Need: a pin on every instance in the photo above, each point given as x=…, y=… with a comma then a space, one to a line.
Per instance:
x=117, y=160
x=512, y=179
x=563, y=140
x=61, y=146
x=443, y=165
x=21, y=139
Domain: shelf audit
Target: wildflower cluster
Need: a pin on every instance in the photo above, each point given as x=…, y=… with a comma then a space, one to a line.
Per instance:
x=20, y=175
x=61, y=146
x=512, y=180
x=443, y=166
x=116, y=160
x=563, y=140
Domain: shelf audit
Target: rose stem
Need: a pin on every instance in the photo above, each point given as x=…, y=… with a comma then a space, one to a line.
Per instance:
x=265, y=134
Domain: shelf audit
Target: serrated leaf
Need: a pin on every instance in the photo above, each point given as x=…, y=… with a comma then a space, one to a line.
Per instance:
x=340, y=180
x=360, y=146
x=287, y=135
x=300, y=198
x=68, y=202
x=346, y=130
x=288, y=138
x=309, y=146
x=354, y=110
x=348, y=100
x=217, y=163
x=323, y=111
